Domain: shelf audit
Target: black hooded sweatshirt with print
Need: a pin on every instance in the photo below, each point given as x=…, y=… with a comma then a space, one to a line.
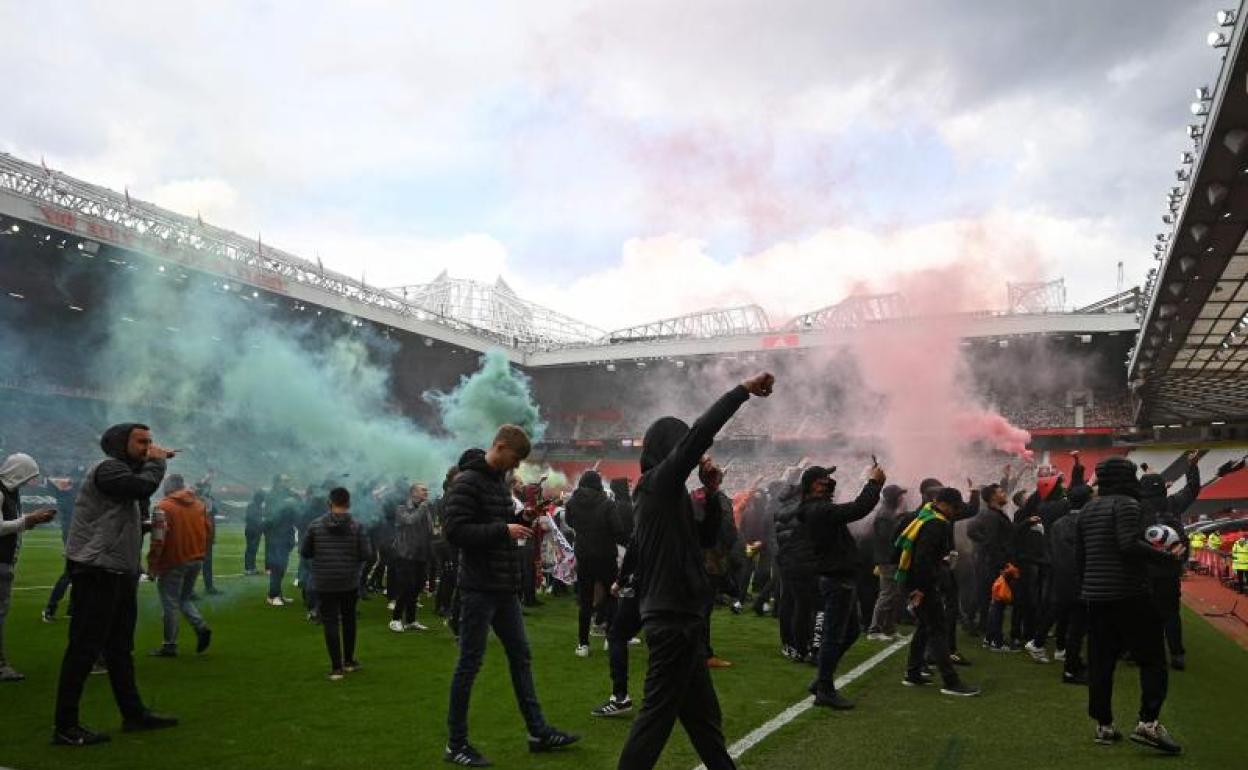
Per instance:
x=671, y=575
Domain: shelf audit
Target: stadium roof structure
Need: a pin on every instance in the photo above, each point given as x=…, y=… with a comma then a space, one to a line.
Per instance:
x=1190, y=363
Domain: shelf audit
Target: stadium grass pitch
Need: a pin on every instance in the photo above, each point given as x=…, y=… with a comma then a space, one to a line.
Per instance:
x=259, y=697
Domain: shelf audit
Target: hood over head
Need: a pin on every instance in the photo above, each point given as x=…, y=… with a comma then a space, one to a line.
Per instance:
x=1116, y=476
x=590, y=480
x=115, y=440
x=1152, y=485
x=660, y=439
x=620, y=488
x=1079, y=495
x=17, y=470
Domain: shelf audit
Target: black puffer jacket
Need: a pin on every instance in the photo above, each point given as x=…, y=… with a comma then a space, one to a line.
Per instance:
x=795, y=549
x=337, y=546
x=623, y=510
x=478, y=508
x=592, y=514
x=1063, y=541
x=836, y=551
x=1110, y=549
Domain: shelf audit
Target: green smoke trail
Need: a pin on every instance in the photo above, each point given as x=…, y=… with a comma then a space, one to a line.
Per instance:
x=491, y=396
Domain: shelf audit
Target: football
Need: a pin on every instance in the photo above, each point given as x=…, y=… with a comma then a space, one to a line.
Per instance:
x=1163, y=538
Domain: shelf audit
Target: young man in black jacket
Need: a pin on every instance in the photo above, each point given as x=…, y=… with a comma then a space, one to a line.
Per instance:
x=923, y=573
x=1160, y=508
x=673, y=586
x=1068, y=612
x=592, y=514
x=836, y=561
x=1112, y=555
x=336, y=546
x=480, y=522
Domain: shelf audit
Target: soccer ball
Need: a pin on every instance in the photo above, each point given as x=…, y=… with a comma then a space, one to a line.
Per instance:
x=1164, y=538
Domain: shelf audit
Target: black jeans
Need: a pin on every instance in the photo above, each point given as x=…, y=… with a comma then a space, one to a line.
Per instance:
x=624, y=626
x=803, y=592
x=767, y=582
x=448, y=576
x=338, y=608
x=678, y=686
x=1132, y=624
x=105, y=610
x=592, y=579
x=1167, y=596
x=479, y=612
x=785, y=607
x=985, y=574
x=841, y=626
x=252, y=537
x=1072, y=628
x=950, y=595
x=1026, y=612
x=930, y=638
x=206, y=572
x=277, y=573
x=407, y=578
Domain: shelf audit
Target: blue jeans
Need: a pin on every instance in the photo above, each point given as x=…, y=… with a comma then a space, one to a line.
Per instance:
x=479, y=612
x=841, y=626
x=175, y=586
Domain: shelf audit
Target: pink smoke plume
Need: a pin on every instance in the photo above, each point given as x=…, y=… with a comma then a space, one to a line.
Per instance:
x=995, y=430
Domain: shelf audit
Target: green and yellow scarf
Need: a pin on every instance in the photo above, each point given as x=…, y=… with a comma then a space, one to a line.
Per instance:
x=905, y=541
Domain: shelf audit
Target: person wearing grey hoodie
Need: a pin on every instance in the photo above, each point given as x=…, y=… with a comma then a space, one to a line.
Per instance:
x=17, y=470
x=103, y=555
x=412, y=550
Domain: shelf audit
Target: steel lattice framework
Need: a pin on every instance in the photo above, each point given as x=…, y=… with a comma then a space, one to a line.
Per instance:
x=498, y=309
x=1037, y=297
x=1123, y=302
x=719, y=322
x=851, y=312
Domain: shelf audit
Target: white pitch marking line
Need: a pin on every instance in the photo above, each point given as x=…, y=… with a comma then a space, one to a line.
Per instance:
x=759, y=734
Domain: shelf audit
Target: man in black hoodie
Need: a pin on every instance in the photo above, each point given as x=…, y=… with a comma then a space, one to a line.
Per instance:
x=1165, y=576
x=592, y=514
x=103, y=556
x=1112, y=555
x=481, y=523
x=674, y=588
x=836, y=555
x=1068, y=612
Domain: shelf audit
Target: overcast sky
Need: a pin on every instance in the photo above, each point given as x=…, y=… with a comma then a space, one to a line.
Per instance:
x=626, y=161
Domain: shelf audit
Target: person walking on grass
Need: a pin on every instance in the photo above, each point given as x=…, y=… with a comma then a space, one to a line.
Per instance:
x=104, y=554
x=337, y=547
x=16, y=471
x=481, y=523
x=180, y=535
x=673, y=586
x=1113, y=559
x=411, y=555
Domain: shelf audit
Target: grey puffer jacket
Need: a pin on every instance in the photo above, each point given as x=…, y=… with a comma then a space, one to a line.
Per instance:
x=413, y=531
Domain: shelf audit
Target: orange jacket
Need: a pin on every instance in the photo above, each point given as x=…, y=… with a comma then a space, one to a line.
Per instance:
x=180, y=531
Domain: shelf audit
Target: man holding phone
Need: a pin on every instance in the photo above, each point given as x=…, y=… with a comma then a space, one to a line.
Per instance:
x=16, y=471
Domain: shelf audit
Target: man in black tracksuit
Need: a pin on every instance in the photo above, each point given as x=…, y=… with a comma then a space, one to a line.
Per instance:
x=1165, y=576
x=624, y=626
x=481, y=523
x=673, y=586
x=1112, y=555
x=836, y=560
x=1068, y=611
x=592, y=514
x=796, y=563
x=336, y=546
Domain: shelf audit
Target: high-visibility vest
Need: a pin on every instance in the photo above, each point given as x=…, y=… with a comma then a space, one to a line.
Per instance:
x=1239, y=554
x=1198, y=541
x=1215, y=542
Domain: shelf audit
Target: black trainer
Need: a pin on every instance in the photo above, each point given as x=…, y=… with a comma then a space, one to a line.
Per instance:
x=961, y=689
x=78, y=736
x=203, y=638
x=1077, y=678
x=833, y=700
x=465, y=756
x=957, y=659
x=550, y=740
x=148, y=720
x=163, y=651
x=910, y=680
x=613, y=707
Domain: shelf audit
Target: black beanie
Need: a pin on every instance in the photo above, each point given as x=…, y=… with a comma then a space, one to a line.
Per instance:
x=1116, y=476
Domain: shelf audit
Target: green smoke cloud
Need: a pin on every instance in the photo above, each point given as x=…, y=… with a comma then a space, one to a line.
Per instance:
x=493, y=395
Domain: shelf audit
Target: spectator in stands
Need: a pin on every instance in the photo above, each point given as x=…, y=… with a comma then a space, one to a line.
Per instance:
x=889, y=603
x=338, y=548
x=1164, y=576
x=281, y=510
x=65, y=493
x=481, y=522
x=592, y=516
x=412, y=553
x=925, y=545
x=674, y=586
x=16, y=471
x=836, y=561
x=1068, y=612
x=253, y=528
x=104, y=553
x=1112, y=557
x=180, y=535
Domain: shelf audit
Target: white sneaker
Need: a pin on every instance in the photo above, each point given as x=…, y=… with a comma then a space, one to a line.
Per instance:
x=1059, y=655
x=766, y=608
x=636, y=640
x=416, y=625
x=582, y=650
x=396, y=626
x=275, y=601
x=390, y=606
x=296, y=582
x=1037, y=653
